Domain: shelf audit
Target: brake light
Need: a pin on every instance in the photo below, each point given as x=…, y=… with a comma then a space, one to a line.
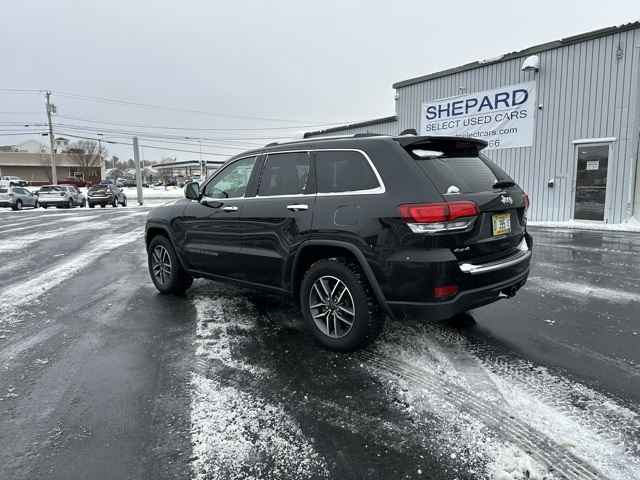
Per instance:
x=526, y=201
x=442, y=216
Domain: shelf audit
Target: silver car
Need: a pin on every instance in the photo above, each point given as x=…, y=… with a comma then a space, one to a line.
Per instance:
x=16, y=197
x=66, y=196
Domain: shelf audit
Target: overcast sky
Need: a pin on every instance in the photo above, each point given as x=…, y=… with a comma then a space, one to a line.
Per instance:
x=304, y=62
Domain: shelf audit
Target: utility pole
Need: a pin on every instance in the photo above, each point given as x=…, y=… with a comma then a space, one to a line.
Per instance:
x=136, y=159
x=51, y=109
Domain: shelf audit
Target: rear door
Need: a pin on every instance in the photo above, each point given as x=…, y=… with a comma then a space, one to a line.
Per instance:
x=280, y=216
x=460, y=172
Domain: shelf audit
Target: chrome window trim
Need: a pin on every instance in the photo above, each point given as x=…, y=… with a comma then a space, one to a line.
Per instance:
x=380, y=189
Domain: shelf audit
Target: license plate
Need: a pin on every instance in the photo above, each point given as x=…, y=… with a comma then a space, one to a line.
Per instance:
x=501, y=224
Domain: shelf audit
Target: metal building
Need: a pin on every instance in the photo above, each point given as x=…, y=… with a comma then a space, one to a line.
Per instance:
x=574, y=145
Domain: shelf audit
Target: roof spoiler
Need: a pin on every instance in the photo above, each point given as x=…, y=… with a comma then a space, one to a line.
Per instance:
x=435, y=143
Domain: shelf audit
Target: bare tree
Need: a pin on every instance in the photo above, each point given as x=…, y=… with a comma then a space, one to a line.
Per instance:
x=89, y=156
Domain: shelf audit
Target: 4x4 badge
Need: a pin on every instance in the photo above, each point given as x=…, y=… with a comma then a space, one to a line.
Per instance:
x=506, y=200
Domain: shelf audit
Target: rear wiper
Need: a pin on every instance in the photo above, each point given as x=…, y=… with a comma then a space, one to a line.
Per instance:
x=504, y=184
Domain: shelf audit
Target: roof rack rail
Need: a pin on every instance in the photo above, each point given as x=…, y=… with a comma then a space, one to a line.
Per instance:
x=334, y=137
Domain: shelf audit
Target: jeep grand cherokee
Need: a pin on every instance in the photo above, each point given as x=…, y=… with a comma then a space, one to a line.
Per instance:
x=354, y=228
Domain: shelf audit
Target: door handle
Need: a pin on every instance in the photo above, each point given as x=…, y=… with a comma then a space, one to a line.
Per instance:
x=298, y=207
x=230, y=208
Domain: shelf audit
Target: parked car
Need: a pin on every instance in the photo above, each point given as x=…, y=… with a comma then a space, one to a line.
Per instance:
x=13, y=180
x=106, y=194
x=355, y=229
x=16, y=197
x=67, y=196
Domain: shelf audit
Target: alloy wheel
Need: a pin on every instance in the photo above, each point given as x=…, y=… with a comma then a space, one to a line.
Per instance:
x=161, y=264
x=332, y=306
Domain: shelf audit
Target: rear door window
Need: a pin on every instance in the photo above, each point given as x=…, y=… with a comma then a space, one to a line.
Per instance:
x=285, y=174
x=344, y=171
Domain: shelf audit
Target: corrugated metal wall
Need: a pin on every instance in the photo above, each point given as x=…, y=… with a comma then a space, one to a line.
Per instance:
x=386, y=128
x=586, y=92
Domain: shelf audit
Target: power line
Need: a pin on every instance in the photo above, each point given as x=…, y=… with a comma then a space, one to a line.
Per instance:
x=118, y=101
x=126, y=124
x=158, y=147
x=164, y=135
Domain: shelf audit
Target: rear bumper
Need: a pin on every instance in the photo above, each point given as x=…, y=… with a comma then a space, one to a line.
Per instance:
x=413, y=279
x=464, y=301
x=53, y=201
x=6, y=203
x=100, y=200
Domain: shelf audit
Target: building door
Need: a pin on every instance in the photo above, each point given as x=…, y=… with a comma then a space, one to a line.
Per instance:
x=591, y=182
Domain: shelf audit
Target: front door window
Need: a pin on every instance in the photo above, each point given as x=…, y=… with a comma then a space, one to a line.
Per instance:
x=591, y=182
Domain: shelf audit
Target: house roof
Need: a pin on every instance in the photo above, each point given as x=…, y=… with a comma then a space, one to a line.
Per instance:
x=602, y=32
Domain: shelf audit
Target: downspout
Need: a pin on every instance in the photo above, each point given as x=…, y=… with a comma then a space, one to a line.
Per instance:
x=633, y=193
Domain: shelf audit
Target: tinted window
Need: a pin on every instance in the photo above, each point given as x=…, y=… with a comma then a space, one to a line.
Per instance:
x=340, y=171
x=50, y=189
x=285, y=174
x=464, y=174
x=232, y=181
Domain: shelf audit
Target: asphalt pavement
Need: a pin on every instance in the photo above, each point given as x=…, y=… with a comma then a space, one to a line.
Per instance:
x=103, y=378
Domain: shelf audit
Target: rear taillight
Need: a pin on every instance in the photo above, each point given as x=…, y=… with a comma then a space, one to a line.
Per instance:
x=438, y=217
x=526, y=201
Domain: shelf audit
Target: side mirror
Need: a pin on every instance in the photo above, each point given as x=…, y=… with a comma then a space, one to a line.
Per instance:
x=192, y=191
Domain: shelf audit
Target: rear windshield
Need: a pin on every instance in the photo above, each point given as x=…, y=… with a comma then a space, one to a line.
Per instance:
x=465, y=174
x=50, y=189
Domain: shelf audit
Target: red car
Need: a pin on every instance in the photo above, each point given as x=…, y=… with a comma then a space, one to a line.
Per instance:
x=76, y=182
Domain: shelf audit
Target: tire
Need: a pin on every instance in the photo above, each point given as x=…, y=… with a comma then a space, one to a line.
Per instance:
x=36, y=205
x=175, y=280
x=19, y=205
x=83, y=204
x=70, y=203
x=44, y=205
x=115, y=202
x=102, y=205
x=91, y=205
x=366, y=319
x=124, y=202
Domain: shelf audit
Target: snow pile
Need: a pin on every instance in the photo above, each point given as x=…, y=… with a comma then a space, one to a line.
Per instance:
x=235, y=434
x=512, y=463
x=583, y=291
x=631, y=226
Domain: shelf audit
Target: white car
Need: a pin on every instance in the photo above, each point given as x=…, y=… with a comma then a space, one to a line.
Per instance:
x=66, y=196
x=16, y=197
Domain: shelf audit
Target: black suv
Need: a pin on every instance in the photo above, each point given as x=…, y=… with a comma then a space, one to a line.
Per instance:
x=354, y=228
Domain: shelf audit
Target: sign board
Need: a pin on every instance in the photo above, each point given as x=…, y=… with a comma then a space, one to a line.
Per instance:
x=504, y=117
x=593, y=164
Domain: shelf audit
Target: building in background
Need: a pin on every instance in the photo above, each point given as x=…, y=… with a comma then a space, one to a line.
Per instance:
x=36, y=167
x=563, y=118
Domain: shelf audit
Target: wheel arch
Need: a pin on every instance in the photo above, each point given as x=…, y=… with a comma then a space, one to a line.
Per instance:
x=153, y=230
x=312, y=250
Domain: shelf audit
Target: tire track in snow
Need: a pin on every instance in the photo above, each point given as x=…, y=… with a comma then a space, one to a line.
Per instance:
x=21, y=242
x=561, y=424
x=30, y=290
x=543, y=450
